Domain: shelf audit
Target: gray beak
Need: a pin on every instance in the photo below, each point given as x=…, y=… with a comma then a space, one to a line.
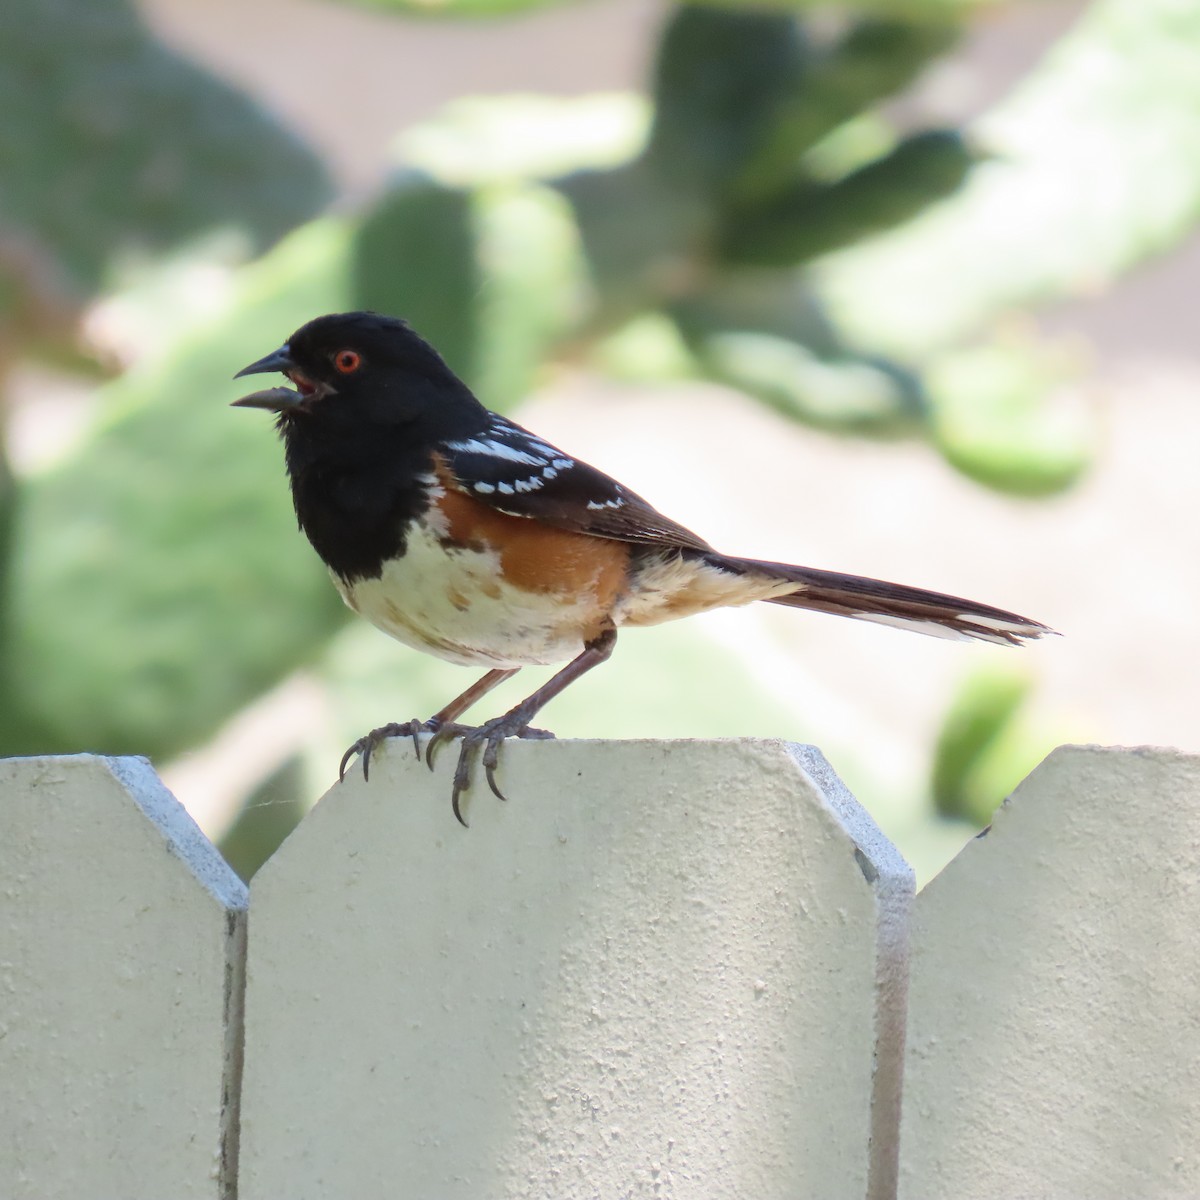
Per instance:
x=275, y=399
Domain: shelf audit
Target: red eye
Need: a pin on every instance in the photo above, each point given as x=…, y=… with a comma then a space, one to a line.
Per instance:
x=347, y=361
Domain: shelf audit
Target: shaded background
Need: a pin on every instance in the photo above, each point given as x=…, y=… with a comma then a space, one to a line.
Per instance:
x=906, y=290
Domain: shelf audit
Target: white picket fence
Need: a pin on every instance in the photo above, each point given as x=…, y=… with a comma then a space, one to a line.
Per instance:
x=683, y=970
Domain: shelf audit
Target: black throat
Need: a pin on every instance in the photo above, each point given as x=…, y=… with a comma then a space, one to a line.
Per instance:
x=357, y=491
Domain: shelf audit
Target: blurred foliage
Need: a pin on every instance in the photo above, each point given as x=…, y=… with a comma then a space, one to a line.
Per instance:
x=114, y=149
x=987, y=744
x=1004, y=414
x=764, y=221
x=1095, y=166
x=158, y=579
x=983, y=711
x=908, y=9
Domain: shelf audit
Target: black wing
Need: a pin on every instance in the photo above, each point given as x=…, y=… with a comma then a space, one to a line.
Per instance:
x=517, y=473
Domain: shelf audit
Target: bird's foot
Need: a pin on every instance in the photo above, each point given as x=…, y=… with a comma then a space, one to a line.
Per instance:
x=370, y=742
x=482, y=741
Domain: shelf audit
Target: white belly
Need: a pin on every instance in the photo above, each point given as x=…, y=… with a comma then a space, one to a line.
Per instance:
x=454, y=604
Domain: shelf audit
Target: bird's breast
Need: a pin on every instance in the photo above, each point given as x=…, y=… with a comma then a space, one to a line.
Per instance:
x=478, y=587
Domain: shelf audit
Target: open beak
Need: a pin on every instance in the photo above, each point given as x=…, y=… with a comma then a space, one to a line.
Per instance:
x=276, y=399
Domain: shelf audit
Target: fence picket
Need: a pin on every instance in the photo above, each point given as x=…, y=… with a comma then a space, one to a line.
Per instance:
x=1054, y=1020
x=655, y=972
x=121, y=949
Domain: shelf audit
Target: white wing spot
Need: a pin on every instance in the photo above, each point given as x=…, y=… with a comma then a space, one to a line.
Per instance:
x=549, y=473
x=561, y=464
x=505, y=489
x=537, y=443
x=495, y=449
x=599, y=505
x=485, y=488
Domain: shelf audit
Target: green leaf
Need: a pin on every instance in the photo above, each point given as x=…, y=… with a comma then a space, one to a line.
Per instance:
x=815, y=219
x=1095, y=167
x=113, y=147
x=872, y=61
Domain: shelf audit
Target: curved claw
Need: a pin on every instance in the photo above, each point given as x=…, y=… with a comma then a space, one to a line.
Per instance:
x=489, y=737
x=350, y=753
x=491, y=759
x=472, y=738
x=371, y=745
x=490, y=772
x=455, y=797
x=370, y=742
x=432, y=746
x=462, y=781
x=441, y=735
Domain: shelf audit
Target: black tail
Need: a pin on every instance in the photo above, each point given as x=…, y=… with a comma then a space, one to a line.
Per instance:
x=895, y=604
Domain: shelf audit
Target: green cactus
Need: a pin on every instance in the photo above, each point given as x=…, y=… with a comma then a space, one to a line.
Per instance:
x=1076, y=194
x=113, y=148
x=160, y=580
x=720, y=82
x=872, y=61
x=809, y=219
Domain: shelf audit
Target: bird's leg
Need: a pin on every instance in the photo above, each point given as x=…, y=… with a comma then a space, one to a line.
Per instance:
x=442, y=725
x=441, y=720
x=515, y=722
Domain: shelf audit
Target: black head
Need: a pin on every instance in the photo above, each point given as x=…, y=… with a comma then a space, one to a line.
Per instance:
x=367, y=371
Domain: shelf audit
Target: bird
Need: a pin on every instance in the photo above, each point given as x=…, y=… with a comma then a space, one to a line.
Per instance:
x=462, y=534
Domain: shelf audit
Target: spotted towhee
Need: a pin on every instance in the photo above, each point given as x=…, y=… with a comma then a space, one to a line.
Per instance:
x=460, y=533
